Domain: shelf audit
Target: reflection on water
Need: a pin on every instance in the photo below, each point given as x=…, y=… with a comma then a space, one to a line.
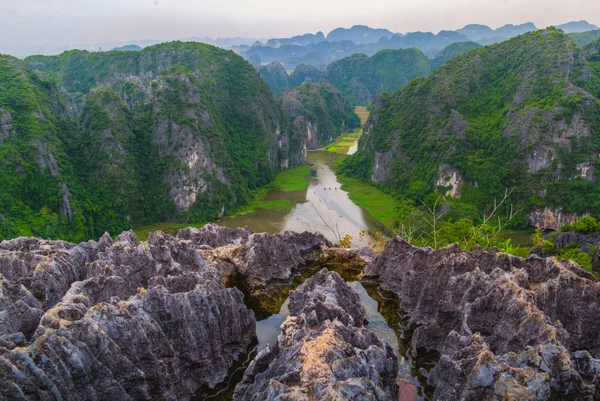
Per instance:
x=267, y=330
x=323, y=208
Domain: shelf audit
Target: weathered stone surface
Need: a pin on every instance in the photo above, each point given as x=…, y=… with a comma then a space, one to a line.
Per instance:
x=323, y=352
x=261, y=259
x=268, y=258
x=305, y=242
x=450, y=177
x=582, y=241
x=125, y=319
x=214, y=236
x=506, y=327
x=551, y=219
x=596, y=261
x=118, y=319
x=156, y=345
x=44, y=268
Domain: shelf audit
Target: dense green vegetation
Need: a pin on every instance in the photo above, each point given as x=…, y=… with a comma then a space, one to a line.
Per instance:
x=105, y=141
x=592, y=52
x=289, y=180
x=452, y=51
x=34, y=164
x=276, y=77
x=486, y=114
x=360, y=77
x=584, y=38
x=320, y=111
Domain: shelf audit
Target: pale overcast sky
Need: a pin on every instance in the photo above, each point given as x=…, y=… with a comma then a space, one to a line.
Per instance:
x=66, y=22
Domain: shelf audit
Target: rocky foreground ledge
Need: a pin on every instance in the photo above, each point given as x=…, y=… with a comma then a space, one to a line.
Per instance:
x=127, y=320
x=507, y=328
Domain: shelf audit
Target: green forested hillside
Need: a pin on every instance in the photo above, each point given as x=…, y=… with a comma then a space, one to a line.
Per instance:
x=37, y=175
x=321, y=111
x=101, y=141
x=451, y=51
x=360, y=77
x=585, y=38
x=592, y=52
x=523, y=113
x=276, y=77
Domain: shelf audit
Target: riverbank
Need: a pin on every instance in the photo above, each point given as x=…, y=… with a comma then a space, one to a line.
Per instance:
x=292, y=181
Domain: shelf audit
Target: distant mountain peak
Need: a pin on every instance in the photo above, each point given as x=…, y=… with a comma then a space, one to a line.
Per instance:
x=577, y=27
x=359, y=34
x=127, y=48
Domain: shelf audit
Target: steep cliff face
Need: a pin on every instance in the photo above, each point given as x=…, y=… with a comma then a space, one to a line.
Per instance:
x=37, y=176
x=320, y=112
x=177, y=130
x=522, y=113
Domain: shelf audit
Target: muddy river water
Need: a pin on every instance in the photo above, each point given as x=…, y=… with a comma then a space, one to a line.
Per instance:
x=323, y=207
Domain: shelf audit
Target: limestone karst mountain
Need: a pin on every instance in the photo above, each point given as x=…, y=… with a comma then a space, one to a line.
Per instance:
x=97, y=141
x=521, y=114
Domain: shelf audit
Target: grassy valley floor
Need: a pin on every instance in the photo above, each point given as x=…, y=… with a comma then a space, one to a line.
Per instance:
x=292, y=182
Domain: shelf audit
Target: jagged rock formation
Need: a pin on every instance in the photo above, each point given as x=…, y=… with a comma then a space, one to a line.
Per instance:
x=323, y=352
x=261, y=259
x=115, y=319
x=506, y=327
x=133, y=320
x=124, y=319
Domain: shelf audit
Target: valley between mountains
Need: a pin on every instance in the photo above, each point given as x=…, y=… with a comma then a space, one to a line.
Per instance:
x=362, y=216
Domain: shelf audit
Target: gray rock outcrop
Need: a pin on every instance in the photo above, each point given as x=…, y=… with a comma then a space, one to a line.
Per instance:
x=122, y=319
x=323, y=352
x=506, y=327
x=132, y=320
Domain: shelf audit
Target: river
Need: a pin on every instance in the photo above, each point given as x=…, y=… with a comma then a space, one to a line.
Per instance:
x=324, y=207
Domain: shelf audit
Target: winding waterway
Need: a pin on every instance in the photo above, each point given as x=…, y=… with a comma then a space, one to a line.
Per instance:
x=323, y=207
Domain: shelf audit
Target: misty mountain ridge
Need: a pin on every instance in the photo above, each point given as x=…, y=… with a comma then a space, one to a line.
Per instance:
x=357, y=34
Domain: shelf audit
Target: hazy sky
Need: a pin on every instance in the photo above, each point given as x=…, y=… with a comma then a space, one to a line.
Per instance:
x=65, y=22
